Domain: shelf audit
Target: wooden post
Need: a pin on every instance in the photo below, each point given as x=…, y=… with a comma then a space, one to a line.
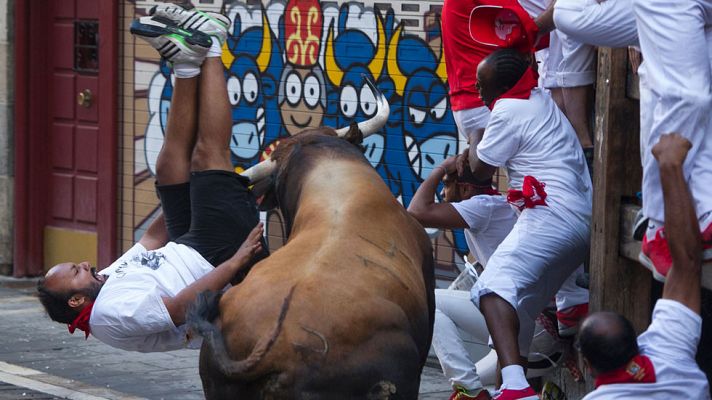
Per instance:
x=617, y=283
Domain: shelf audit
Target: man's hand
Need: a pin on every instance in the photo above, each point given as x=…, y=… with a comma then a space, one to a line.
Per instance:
x=671, y=150
x=216, y=279
x=251, y=246
x=450, y=165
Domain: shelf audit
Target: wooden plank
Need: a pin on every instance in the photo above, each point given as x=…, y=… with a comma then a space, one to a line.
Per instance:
x=630, y=248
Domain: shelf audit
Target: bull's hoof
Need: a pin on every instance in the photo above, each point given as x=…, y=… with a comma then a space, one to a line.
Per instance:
x=383, y=390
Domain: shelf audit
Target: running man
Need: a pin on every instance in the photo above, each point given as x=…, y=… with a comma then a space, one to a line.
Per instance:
x=549, y=182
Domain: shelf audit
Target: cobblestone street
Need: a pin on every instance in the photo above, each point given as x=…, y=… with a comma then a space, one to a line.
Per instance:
x=39, y=359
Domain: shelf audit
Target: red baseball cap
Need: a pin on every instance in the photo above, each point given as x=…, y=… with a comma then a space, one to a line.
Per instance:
x=503, y=27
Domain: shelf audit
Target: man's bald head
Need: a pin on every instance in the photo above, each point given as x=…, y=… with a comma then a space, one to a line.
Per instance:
x=607, y=341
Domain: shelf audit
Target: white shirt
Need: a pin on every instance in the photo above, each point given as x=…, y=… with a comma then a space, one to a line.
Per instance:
x=490, y=219
x=533, y=137
x=129, y=312
x=671, y=343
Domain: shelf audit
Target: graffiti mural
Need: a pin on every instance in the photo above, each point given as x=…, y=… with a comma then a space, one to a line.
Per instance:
x=299, y=64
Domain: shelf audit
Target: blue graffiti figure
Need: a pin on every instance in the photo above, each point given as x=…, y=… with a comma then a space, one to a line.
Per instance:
x=252, y=90
x=349, y=59
x=428, y=133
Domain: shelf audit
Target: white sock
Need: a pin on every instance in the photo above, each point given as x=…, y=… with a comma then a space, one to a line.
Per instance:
x=215, y=49
x=186, y=70
x=513, y=377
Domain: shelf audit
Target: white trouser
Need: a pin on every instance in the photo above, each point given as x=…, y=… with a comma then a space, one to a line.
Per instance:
x=675, y=40
x=471, y=120
x=577, y=66
x=610, y=23
x=570, y=293
x=531, y=264
x=458, y=321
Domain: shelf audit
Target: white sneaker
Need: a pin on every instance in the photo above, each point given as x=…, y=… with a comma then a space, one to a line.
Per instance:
x=173, y=43
x=211, y=23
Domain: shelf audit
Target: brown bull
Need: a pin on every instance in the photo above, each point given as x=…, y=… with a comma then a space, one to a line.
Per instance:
x=344, y=309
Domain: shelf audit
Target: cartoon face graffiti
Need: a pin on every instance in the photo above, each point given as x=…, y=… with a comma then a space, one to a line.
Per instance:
x=350, y=58
x=250, y=87
x=302, y=98
x=427, y=125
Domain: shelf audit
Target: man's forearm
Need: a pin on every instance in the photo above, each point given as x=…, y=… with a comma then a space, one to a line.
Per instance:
x=684, y=239
x=425, y=195
x=545, y=20
x=480, y=170
x=214, y=280
x=681, y=225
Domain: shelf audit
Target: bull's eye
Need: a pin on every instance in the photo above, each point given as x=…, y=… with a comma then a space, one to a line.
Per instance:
x=250, y=87
x=293, y=88
x=416, y=116
x=438, y=112
x=368, y=101
x=349, y=101
x=312, y=90
x=233, y=90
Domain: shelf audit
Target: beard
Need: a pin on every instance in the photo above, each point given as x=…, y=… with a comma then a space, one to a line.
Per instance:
x=92, y=291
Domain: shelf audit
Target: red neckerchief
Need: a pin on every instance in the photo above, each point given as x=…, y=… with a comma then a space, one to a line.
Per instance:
x=638, y=370
x=82, y=321
x=531, y=195
x=522, y=89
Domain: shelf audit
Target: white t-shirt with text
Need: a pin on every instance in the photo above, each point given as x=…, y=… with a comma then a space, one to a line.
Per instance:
x=129, y=312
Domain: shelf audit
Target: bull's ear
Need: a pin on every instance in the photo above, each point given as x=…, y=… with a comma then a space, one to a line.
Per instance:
x=354, y=135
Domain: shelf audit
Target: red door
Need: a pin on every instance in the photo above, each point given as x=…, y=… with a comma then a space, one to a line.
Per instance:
x=68, y=150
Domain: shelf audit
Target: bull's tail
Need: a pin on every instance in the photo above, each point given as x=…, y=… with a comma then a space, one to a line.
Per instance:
x=199, y=319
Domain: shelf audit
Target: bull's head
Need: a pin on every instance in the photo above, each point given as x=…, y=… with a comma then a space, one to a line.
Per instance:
x=265, y=175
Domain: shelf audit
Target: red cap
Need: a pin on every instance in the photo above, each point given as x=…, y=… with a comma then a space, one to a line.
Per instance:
x=503, y=27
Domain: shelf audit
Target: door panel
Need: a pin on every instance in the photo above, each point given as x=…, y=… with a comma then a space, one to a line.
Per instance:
x=76, y=86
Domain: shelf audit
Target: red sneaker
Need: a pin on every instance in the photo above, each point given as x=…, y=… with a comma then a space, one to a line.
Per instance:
x=569, y=319
x=462, y=394
x=655, y=255
x=521, y=394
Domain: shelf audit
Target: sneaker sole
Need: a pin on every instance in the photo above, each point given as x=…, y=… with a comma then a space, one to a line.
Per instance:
x=190, y=36
x=648, y=264
x=217, y=18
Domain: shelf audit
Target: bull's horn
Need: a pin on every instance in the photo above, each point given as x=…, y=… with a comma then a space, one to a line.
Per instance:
x=265, y=55
x=333, y=71
x=259, y=171
x=394, y=71
x=372, y=125
x=376, y=65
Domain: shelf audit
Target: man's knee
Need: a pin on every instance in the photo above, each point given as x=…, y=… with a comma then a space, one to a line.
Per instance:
x=169, y=162
x=208, y=156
